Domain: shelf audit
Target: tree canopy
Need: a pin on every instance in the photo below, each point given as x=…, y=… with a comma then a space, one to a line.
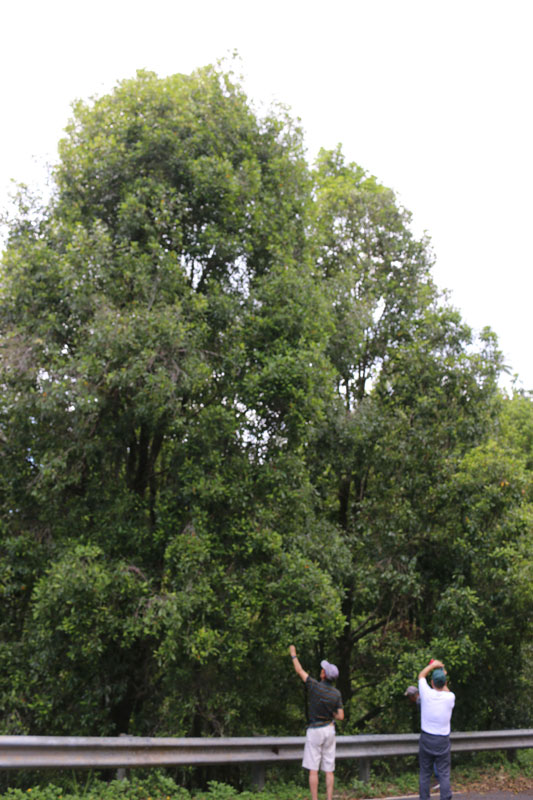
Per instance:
x=236, y=412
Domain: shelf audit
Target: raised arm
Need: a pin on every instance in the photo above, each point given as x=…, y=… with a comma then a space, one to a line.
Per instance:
x=296, y=664
x=429, y=668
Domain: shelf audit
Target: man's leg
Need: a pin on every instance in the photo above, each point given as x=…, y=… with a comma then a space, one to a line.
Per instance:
x=311, y=759
x=443, y=764
x=425, y=759
x=330, y=780
x=313, y=783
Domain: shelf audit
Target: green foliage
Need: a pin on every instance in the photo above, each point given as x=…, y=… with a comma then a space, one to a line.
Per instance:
x=157, y=786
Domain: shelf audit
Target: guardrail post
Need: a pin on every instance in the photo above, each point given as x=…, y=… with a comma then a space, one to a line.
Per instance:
x=364, y=769
x=121, y=771
x=258, y=776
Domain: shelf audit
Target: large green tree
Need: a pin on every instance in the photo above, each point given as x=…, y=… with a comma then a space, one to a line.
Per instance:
x=163, y=358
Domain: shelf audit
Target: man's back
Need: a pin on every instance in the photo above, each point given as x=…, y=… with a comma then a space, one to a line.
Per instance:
x=324, y=700
x=435, y=709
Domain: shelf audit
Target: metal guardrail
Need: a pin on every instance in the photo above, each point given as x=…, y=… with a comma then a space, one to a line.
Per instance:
x=37, y=752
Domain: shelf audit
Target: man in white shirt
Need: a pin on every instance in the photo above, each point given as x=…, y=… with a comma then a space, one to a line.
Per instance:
x=436, y=706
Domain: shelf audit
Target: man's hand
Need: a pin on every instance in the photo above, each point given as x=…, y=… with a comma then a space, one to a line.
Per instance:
x=296, y=664
x=430, y=667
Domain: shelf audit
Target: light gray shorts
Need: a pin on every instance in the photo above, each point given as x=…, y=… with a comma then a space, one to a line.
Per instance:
x=319, y=751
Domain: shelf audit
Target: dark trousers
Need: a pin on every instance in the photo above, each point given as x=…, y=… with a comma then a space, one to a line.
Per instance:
x=434, y=751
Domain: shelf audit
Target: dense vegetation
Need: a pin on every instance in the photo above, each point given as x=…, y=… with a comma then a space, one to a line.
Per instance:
x=236, y=413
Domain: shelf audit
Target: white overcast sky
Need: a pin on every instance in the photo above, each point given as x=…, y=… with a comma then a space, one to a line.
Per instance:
x=434, y=97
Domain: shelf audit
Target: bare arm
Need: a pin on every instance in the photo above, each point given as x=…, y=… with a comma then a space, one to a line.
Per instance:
x=429, y=668
x=339, y=714
x=296, y=664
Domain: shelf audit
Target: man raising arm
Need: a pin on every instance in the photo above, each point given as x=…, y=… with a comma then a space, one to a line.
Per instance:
x=325, y=706
x=436, y=706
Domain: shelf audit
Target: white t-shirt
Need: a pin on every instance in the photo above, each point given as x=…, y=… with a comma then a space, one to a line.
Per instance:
x=435, y=709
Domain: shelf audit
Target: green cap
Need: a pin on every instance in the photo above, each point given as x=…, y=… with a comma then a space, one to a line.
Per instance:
x=438, y=677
